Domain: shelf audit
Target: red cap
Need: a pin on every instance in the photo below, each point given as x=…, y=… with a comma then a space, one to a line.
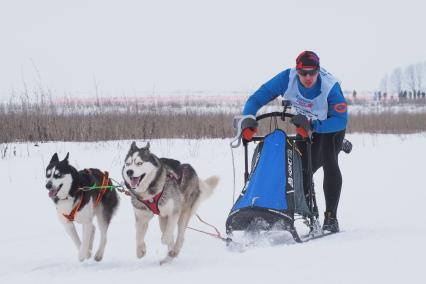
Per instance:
x=307, y=59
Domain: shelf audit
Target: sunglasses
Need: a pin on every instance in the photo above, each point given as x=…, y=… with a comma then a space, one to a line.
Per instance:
x=303, y=72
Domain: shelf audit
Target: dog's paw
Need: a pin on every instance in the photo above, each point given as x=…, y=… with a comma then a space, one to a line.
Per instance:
x=98, y=256
x=167, y=239
x=170, y=256
x=141, y=251
x=172, y=253
x=81, y=256
x=167, y=259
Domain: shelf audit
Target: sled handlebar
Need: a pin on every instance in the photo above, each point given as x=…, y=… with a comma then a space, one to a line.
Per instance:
x=236, y=141
x=281, y=114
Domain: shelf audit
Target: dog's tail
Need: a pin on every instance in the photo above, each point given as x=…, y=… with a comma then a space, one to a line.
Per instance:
x=207, y=186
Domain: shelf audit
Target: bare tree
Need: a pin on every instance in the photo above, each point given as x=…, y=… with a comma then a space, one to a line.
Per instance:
x=420, y=73
x=410, y=77
x=397, y=79
x=384, y=84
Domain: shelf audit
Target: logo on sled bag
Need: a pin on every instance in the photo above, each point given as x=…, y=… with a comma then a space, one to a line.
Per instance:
x=290, y=167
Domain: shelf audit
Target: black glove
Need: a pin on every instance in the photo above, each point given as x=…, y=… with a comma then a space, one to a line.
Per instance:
x=301, y=121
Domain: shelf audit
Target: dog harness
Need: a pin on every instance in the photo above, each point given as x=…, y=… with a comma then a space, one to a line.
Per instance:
x=73, y=212
x=152, y=203
x=105, y=182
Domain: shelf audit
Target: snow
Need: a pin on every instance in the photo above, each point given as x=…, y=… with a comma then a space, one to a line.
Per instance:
x=381, y=215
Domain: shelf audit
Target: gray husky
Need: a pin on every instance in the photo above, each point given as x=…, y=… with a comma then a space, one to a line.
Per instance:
x=166, y=188
x=65, y=185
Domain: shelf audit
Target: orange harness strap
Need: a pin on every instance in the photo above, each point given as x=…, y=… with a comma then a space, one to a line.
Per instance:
x=71, y=216
x=105, y=182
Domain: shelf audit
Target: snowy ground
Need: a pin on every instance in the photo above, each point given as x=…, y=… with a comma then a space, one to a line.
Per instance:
x=381, y=216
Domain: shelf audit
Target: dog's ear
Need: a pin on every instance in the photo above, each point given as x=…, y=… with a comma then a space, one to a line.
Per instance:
x=66, y=157
x=146, y=148
x=54, y=158
x=133, y=147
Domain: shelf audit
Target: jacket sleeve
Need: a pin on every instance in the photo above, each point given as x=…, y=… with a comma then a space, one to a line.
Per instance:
x=267, y=92
x=337, y=116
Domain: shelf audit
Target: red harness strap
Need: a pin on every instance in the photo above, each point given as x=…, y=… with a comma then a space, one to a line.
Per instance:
x=153, y=205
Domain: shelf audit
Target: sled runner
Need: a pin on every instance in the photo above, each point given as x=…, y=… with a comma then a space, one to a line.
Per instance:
x=273, y=196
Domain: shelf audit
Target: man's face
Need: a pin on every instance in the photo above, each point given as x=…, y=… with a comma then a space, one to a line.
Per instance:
x=308, y=76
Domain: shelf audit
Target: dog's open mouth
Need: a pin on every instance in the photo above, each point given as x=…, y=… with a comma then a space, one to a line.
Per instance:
x=54, y=191
x=135, y=181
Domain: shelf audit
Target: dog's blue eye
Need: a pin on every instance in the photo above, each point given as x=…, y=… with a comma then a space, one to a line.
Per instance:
x=139, y=163
x=128, y=164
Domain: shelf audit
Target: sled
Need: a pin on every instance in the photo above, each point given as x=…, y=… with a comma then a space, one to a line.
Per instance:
x=273, y=196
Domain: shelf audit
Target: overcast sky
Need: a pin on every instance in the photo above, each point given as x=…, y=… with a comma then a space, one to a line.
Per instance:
x=126, y=47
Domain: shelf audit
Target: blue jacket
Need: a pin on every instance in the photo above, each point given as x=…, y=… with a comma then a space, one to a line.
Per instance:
x=337, y=115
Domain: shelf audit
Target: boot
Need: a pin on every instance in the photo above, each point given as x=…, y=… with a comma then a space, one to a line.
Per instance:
x=330, y=222
x=346, y=146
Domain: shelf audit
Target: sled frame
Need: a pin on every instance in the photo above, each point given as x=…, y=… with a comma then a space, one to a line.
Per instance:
x=311, y=201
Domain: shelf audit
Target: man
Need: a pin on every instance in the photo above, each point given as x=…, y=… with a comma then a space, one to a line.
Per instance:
x=321, y=109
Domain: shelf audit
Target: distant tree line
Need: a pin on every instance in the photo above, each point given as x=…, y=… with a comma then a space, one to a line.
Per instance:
x=406, y=83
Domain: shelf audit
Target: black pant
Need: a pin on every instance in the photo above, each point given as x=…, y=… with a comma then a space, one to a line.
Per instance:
x=325, y=151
